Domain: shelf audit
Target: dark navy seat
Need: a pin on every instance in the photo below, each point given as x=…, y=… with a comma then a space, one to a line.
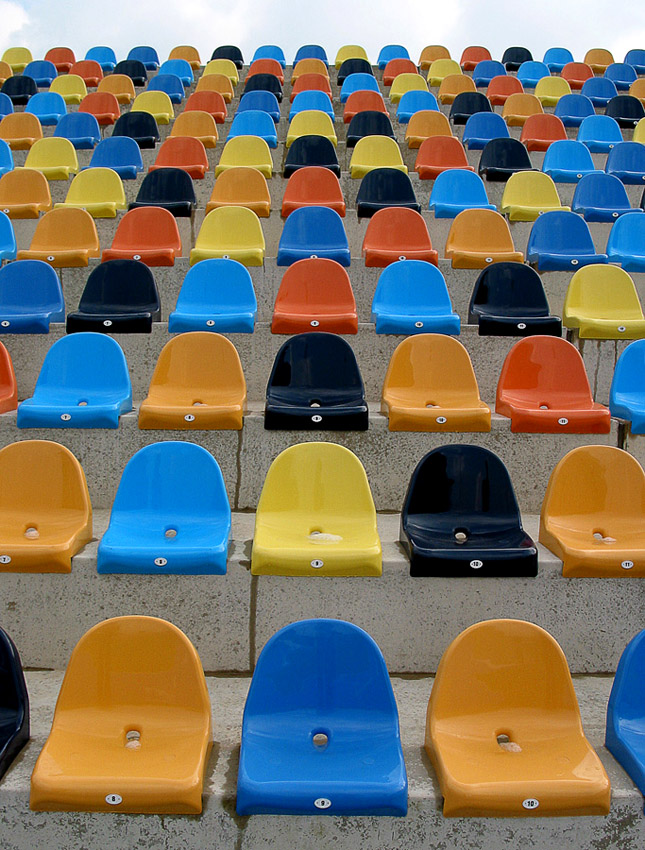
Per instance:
x=368, y=123
x=14, y=704
x=140, y=126
x=385, y=187
x=170, y=188
x=134, y=69
x=264, y=82
x=353, y=66
x=311, y=150
x=468, y=103
x=502, y=157
x=229, y=51
x=513, y=57
x=19, y=89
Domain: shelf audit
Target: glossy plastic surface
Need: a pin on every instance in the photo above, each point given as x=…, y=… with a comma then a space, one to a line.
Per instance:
x=103, y=105
x=395, y=67
x=181, y=68
x=187, y=53
x=405, y=83
x=183, y=152
x=502, y=157
x=232, y=233
x=254, y=122
x=481, y=128
x=438, y=154
x=311, y=150
x=397, y=233
x=312, y=186
x=368, y=122
x=134, y=69
x=599, y=133
x=626, y=110
x=19, y=89
x=453, y=85
x=216, y=295
x=478, y=238
x=250, y=151
x=264, y=82
x=97, y=190
x=458, y=189
x=315, y=294
x=472, y=55
x=264, y=101
x=310, y=122
x=625, y=244
x=49, y=107
x=105, y=56
x=487, y=70
x=7, y=238
x=148, y=234
x=55, y=158
x=167, y=188
x=385, y=187
x=311, y=82
x=20, y=130
x=229, y=51
x=568, y=161
x=627, y=161
x=466, y=104
x=17, y=57
x=389, y=52
x=146, y=54
x=65, y=238
x=140, y=126
x=518, y=107
x=120, y=85
x=211, y=102
x=413, y=101
x=357, y=82
x=627, y=394
x=424, y=124
x=242, y=187
x=561, y=241
x=601, y=197
x=81, y=128
x=602, y=303
x=168, y=83
x=540, y=131
x=528, y=194
x=431, y=52
x=14, y=704
x=312, y=99
x=313, y=232
x=440, y=69
x=30, y=298
x=217, y=83
x=8, y=388
x=89, y=70
x=375, y=152
x=550, y=90
x=572, y=109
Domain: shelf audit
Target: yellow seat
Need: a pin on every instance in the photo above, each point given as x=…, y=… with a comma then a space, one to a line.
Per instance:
x=430, y=385
x=454, y=84
x=64, y=238
x=251, y=151
x=316, y=516
x=350, y=51
x=593, y=514
x=518, y=106
x=430, y=53
x=216, y=82
x=442, y=68
x=157, y=103
x=637, y=89
x=375, y=152
x=17, y=58
x=233, y=233
x=226, y=67
x=478, y=238
x=424, y=124
x=309, y=66
x=54, y=157
x=45, y=511
x=98, y=190
x=197, y=124
x=529, y=193
x=132, y=726
x=72, y=88
x=5, y=71
x=549, y=90
x=602, y=303
x=120, y=85
x=598, y=59
x=20, y=130
x=240, y=187
x=639, y=131
x=503, y=728
x=189, y=53
x=24, y=194
x=311, y=122
x=404, y=83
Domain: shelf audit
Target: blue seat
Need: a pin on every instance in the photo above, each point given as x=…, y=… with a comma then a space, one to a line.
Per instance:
x=265, y=101
x=320, y=733
x=169, y=83
x=357, y=82
x=161, y=523
x=560, y=241
x=636, y=58
x=42, y=71
x=81, y=128
x=601, y=197
x=313, y=232
x=105, y=56
x=411, y=297
x=621, y=74
x=486, y=70
x=567, y=161
x=147, y=55
x=415, y=101
x=555, y=58
x=134, y=69
x=391, y=51
x=180, y=68
x=6, y=158
x=254, y=122
x=8, y=246
x=572, y=109
x=120, y=153
x=599, y=90
x=627, y=394
x=385, y=187
x=626, y=110
x=140, y=126
x=48, y=106
x=626, y=243
x=481, y=128
x=14, y=704
x=30, y=298
x=270, y=51
x=83, y=383
x=529, y=73
x=627, y=162
x=6, y=105
x=458, y=189
x=306, y=100
x=216, y=295
x=311, y=51
x=599, y=133
x=229, y=51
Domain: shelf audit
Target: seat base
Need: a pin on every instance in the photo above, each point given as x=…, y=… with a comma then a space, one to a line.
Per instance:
x=519, y=325
x=279, y=417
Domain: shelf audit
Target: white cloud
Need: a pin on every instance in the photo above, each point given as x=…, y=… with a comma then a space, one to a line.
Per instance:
x=14, y=20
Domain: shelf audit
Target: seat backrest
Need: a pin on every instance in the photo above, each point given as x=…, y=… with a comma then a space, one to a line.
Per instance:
x=513, y=57
x=560, y=230
x=311, y=123
x=521, y=105
x=95, y=185
x=388, y=226
x=628, y=376
x=356, y=65
x=377, y=151
x=166, y=185
x=147, y=226
x=304, y=100
x=246, y=150
x=207, y=101
x=264, y=101
x=626, y=236
x=24, y=187
x=100, y=103
x=485, y=125
x=508, y=289
x=472, y=55
x=242, y=185
x=270, y=51
x=88, y=363
x=188, y=53
x=486, y=70
x=469, y=103
x=137, y=125
x=549, y=88
x=386, y=186
x=441, y=151
x=311, y=51
x=431, y=52
x=349, y=51
x=217, y=282
x=502, y=87
x=120, y=85
x=625, y=108
x=42, y=70
x=180, y=67
x=357, y=82
x=604, y=292
x=30, y=283
x=480, y=230
x=14, y=699
x=599, y=90
x=168, y=83
x=6, y=106
x=395, y=67
x=90, y=71
x=122, y=285
x=310, y=186
x=182, y=152
x=576, y=106
x=621, y=73
x=415, y=101
x=405, y=83
x=316, y=283
x=453, y=85
x=426, y=123
x=504, y=153
x=62, y=57
x=147, y=55
x=252, y=122
x=530, y=188
x=598, y=58
x=370, y=123
x=408, y=285
x=105, y=56
x=8, y=387
x=625, y=707
x=266, y=82
x=363, y=101
x=154, y=102
x=230, y=227
x=199, y=124
x=600, y=190
x=570, y=155
x=216, y=82
x=77, y=126
x=531, y=71
x=46, y=102
x=389, y=52
x=266, y=66
x=117, y=150
x=309, y=65
x=314, y=362
x=458, y=186
x=441, y=68
x=17, y=57
x=229, y=51
x=66, y=228
x=576, y=73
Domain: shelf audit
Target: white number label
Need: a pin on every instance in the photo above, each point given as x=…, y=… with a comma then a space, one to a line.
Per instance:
x=189, y=417
x=314, y=323
x=627, y=565
x=441, y=420
x=210, y=323
x=418, y=324
x=5, y=559
x=108, y=323
x=563, y=421
x=322, y=803
x=531, y=803
x=317, y=563
x=65, y=417
x=113, y=799
x=5, y=323
x=476, y=565
x=160, y=562
x=316, y=418
x=521, y=326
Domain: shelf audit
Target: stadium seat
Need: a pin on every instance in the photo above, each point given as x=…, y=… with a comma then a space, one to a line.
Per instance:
x=502, y=712
x=543, y=388
x=31, y=298
x=425, y=124
x=229, y=51
x=411, y=298
x=105, y=56
x=466, y=104
x=528, y=194
x=509, y=300
x=518, y=107
x=65, y=238
x=18, y=58
x=598, y=59
x=48, y=107
x=395, y=67
x=602, y=303
x=307, y=123
x=311, y=51
x=310, y=65
x=385, y=187
x=211, y=102
x=577, y=74
x=232, y=233
x=89, y=70
x=62, y=57
x=568, y=161
x=405, y=83
x=218, y=83
x=550, y=90
x=14, y=704
x=5, y=71
x=479, y=237
x=253, y=101
x=187, y=53
x=45, y=511
x=460, y=516
x=8, y=389
x=120, y=153
x=389, y=52
x=621, y=75
x=97, y=190
x=198, y=383
x=513, y=57
x=120, y=296
x=170, y=84
x=197, y=125
x=24, y=194
x=396, y=233
x=316, y=516
x=572, y=109
x=487, y=70
x=6, y=159
x=441, y=68
x=626, y=110
x=270, y=51
x=354, y=83
x=637, y=59
x=224, y=67
x=438, y=154
x=502, y=157
x=414, y=101
x=120, y=85
x=599, y=90
x=315, y=384
x=561, y=241
x=639, y=131
x=81, y=128
x=430, y=53
x=242, y=187
x=472, y=55
x=266, y=66
x=157, y=104
x=83, y=383
x=452, y=86
x=268, y=82
x=249, y=151
x=625, y=244
x=555, y=58
x=375, y=152
x=315, y=294
x=310, y=187
x=592, y=513
x=6, y=106
x=601, y=197
x=140, y=126
x=103, y=105
x=637, y=89
x=430, y=385
x=501, y=88
x=627, y=394
x=361, y=747
x=458, y=189
x=311, y=150
x=531, y=72
x=311, y=99
x=481, y=128
x=149, y=234
x=183, y=152
x=42, y=71
x=72, y=88
x=19, y=89
x=349, y=51
x=170, y=188
x=134, y=692
x=8, y=239
x=355, y=65
x=180, y=68
x=136, y=71
x=369, y=123
x=216, y=295
x=313, y=232
x=147, y=55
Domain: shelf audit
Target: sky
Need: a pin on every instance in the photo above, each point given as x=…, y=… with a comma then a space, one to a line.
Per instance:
x=496, y=24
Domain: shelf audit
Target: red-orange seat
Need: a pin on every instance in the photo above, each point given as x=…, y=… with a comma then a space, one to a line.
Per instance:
x=472, y=55
x=62, y=57
x=311, y=82
x=208, y=101
x=398, y=66
x=440, y=153
x=183, y=152
x=540, y=131
x=397, y=233
x=8, y=390
x=266, y=66
x=89, y=71
x=363, y=101
x=313, y=186
x=576, y=73
x=315, y=295
x=103, y=105
x=148, y=234
x=543, y=388
x=501, y=88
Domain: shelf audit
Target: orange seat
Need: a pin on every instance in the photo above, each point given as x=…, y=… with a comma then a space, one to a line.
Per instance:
x=308, y=66
x=89, y=71
x=266, y=66
x=20, y=130
x=315, y=295
x=197, y=125
x=540, y=131
x=397, y=233
x=216, y=82
x=424, y=124
x=363, y=101
x=440, y=153
x=5, y=71
x=518, y=107
x=313, y=186
x=501, y=88
x=242, y=187
x=183, y=152
x=62, y=57
x=8, y=389
x=311, y=82
x=187, y=52
x=432, y=52
x=395, y=67
x=478, y=238
x=543, y=388
x=208, y=101
x=598, y=59
x=120, y=85
x=637, y=89
x=103, y=105
x=472, y=55
x=576, y=74
x=64, y=238
x=149, y=234
x=24, y=193
x=452, y=85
